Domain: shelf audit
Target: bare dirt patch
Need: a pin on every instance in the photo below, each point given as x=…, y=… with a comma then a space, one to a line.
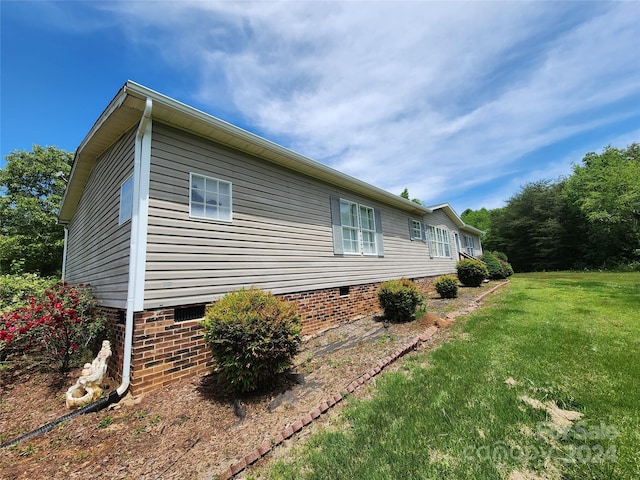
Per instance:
x=559, y=417
x=195, y=428
x=527, y=475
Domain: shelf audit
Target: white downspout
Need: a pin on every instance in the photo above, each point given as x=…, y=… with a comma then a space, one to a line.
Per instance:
x=64, y=252
x=138, y=240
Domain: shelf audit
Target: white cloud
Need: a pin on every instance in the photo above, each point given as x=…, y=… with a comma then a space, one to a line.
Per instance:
x=438, y=97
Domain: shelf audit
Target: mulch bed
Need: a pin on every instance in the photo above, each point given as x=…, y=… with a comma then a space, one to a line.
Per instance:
x=196, y=428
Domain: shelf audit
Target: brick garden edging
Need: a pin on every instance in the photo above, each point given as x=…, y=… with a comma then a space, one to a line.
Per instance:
x=476, y=303
x=332, y=400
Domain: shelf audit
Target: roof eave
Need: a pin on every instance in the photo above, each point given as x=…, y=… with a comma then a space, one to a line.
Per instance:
x=251, y=143
x=175, y=113
x=79, y=171
x=451, y=213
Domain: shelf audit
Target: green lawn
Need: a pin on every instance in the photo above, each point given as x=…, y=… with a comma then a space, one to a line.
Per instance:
x=569, y=339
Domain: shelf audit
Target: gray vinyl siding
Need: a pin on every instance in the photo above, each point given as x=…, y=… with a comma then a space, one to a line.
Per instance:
x=98, y=247
x=280, y=238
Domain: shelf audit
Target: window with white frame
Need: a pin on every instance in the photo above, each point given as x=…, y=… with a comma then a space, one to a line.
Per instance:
x=439, y=242
x=210, y=198
x=368, y=230
x=126, y=200
x=356, y=228
x=468, y=245
x=350, y=227
x=415, y=229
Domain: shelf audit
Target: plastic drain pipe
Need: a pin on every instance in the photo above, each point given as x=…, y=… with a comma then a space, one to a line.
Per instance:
x=142, y=150
x=137, y=245
x=92, y=407
x=64, y=253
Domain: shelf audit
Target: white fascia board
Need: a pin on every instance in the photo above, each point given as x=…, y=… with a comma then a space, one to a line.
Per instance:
x=471, y=229
x=451, y=213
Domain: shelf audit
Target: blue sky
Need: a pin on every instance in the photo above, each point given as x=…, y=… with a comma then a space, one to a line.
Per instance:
x=461, y=102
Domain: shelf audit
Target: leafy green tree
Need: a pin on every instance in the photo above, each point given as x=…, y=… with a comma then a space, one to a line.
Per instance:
x=477, y=218
x=605, y=189
x=480, y=219
x=537, y=228
x=31, y=189
x=590, y=219
x=405, y=194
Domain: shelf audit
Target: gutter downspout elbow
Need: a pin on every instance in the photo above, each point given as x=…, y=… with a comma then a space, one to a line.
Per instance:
x=146, y=115
x=133, y=290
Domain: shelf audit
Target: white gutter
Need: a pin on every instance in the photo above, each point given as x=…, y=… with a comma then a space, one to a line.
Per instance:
x=138, y=240
x=64, y=252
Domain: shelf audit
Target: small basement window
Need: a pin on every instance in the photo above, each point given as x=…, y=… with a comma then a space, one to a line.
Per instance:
x=188, y=313
x=344, y=291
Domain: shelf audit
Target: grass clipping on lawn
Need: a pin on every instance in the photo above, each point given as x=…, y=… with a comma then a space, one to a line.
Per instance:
x=559, y=417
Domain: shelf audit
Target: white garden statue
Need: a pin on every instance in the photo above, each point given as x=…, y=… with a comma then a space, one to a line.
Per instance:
x=87, y=388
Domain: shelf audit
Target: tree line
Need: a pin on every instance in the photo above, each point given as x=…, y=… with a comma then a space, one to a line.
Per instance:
x=587, y=220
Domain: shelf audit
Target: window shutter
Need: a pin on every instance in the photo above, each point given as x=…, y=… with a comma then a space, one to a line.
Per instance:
x=336, y=225
x=379, y=240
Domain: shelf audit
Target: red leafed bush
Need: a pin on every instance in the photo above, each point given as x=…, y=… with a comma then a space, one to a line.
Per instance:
x=60, y=324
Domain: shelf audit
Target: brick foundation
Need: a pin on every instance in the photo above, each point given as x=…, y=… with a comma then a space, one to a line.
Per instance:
x=165, y=350
x=115, y=318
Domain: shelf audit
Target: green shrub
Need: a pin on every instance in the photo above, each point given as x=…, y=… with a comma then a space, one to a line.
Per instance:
x=253, y=336
x=507, y=269
x=501, y=256
x=494, y=267
x=447, y=286
x=399, y=299
x=471, y=272
x=15, y=290
x=629, y=266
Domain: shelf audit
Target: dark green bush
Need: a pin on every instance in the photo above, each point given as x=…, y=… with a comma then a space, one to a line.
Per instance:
x=507, y=269
x=471, y=272
x=399, y=299
x=447, y=286
x=501, y=256
x=253, y=336
x=494, y=267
